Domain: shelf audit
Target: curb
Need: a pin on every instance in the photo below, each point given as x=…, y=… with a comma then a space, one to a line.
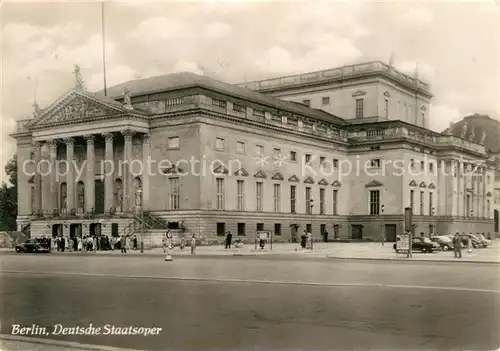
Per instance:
x=403, y=259
x=58, y=343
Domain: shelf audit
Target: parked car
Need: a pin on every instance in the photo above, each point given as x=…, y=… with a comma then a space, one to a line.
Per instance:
x=444, y=241
x=31, y=247
x=476, y=242
x=484, y=241
x=420, y=243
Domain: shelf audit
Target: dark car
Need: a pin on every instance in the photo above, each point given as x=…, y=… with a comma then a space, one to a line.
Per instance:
x=421, y=244
x=31, y=247
x=445, y=242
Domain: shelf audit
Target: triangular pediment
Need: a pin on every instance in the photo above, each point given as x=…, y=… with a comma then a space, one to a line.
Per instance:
x=242, y=172
x=294, y=178
x=220, y=169
x=422, y=185
x=260, y=175
x=309, y=180
x=76, y=106
x=373, y=184
x=432, y=186
x=323, y=182
x=278, y=176
x=336, y=184
x=172, y=170
x=413, y=183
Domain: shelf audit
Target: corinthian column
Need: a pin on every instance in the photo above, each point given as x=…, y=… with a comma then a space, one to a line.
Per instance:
x=52, y=178
x=146, y=169
x=70, y=177
x=127, y=177
x=45, y=177
x=108, y=172
x=90, y=175
x=38, y=178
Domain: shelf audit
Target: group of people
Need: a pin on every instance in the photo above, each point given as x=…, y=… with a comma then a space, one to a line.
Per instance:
x=457, y=245
x=306, y=240
x=90, y=243
x=168, y=243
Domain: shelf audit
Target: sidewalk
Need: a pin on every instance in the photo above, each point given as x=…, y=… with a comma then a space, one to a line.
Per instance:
x=348, y=251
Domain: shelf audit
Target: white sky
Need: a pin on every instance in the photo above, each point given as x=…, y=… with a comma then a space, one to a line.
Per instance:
x=457, y=46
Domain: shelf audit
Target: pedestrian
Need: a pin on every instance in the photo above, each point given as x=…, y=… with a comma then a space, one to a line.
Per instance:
x=303, y=239
x=135, y=242
x=63, y=243
x=309, y=241
x=94, y=243
x=326, y=236
x=457, y=246
x=182, y=243
x=229, y=238
x=193, y=245
x=123, y=244
x=164, y=242
x=469, y=244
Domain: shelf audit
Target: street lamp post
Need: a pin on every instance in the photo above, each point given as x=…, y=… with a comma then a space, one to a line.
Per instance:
x=311, y=203
x=433, y=222
x=382, y=225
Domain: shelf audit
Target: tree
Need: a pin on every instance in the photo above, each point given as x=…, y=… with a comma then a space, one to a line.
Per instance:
x=8, y=197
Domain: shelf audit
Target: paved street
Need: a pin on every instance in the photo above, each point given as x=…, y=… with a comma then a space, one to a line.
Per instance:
x=268, y=302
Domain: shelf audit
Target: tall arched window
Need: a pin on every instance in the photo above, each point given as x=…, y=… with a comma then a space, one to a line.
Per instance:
x=80, y=190
x=63, y=196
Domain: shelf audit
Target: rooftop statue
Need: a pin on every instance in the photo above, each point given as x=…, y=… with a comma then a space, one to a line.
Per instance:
x=78, y=78
x=483, y=137
x=464, y=131
x=127, y=101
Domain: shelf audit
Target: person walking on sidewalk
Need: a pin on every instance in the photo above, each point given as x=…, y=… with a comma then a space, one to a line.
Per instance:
x=229, y=238
x=457, y=246
x=123, y=244
x=469, y=244
x=193, y=245
x=182, y=243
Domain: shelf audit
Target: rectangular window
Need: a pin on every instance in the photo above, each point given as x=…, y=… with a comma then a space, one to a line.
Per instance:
x=321, y=201
x=241, y=229
x=374, y=202
x=386, y=110
x=412, y=163
x=308, y=200
x=308, y=158
x=219, y=103
x=293, y=194
x=259, y=150
x=221, y=229
x=306, y=102
x=412, y=199
x=238, y=108
x=277, y=198
x=220, y=193
x=335, y=195
x=359, y=108
x=173, y=142
x=335, y=163
x=219, y=143
x=422, y=165
x=325, y=101
x=375, y=163
x=174, y=193
x=421, y=203
x=322, y=229
x=308, y=228
x=258, y=113
x=277, y=229
x=431, y=210
x=431, y=168
x=240, y=147
x=241, y=195
x=260, y=226
x=321, y=161
x=276, y=152
x=293, y=156
x=259, y=196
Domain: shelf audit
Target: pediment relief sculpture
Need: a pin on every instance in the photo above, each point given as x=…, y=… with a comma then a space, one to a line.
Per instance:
x=358, y=93
x=260, y=175
x=309, y=180
x=294, y=178
x=278, y=176
x=242, y=172
x=373, y=184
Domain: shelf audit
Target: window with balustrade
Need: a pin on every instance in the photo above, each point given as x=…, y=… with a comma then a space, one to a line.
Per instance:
x=321, y=201
x=277, y=197
x=220, y=193
x=293, y=198
x=173, y=185
x=308, y=200
x=241, y=194
x=335, y=199
x=259, y=186
x=421, y=203
x=374, y=202
x=359, y=108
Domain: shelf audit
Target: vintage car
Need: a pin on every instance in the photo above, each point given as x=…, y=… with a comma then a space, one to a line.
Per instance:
x=421, y=244
x=31, y=247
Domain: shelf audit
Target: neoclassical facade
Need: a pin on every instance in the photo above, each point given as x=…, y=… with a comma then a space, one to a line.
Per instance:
x=196, y=155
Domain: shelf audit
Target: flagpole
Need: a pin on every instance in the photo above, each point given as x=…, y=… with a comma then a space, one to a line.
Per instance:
x=103, y=47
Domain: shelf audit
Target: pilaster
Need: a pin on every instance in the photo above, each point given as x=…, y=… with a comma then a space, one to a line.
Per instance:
x=38, y=178
x=70, y=178
x=52, y=175
x=128, y=199
x=90, y=174
x=108, y=172
x=146, y=171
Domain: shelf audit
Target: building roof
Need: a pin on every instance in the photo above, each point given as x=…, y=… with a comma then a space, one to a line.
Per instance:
x=479, y=123
x=176, y=81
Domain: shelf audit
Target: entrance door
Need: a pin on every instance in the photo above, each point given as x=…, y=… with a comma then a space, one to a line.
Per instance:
x=56, y=230
x=390, y=233
x=114, y=229
x=99, y=196
x=336, y=234
x=357, y=232
x=293, y=232
x=95, y=229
